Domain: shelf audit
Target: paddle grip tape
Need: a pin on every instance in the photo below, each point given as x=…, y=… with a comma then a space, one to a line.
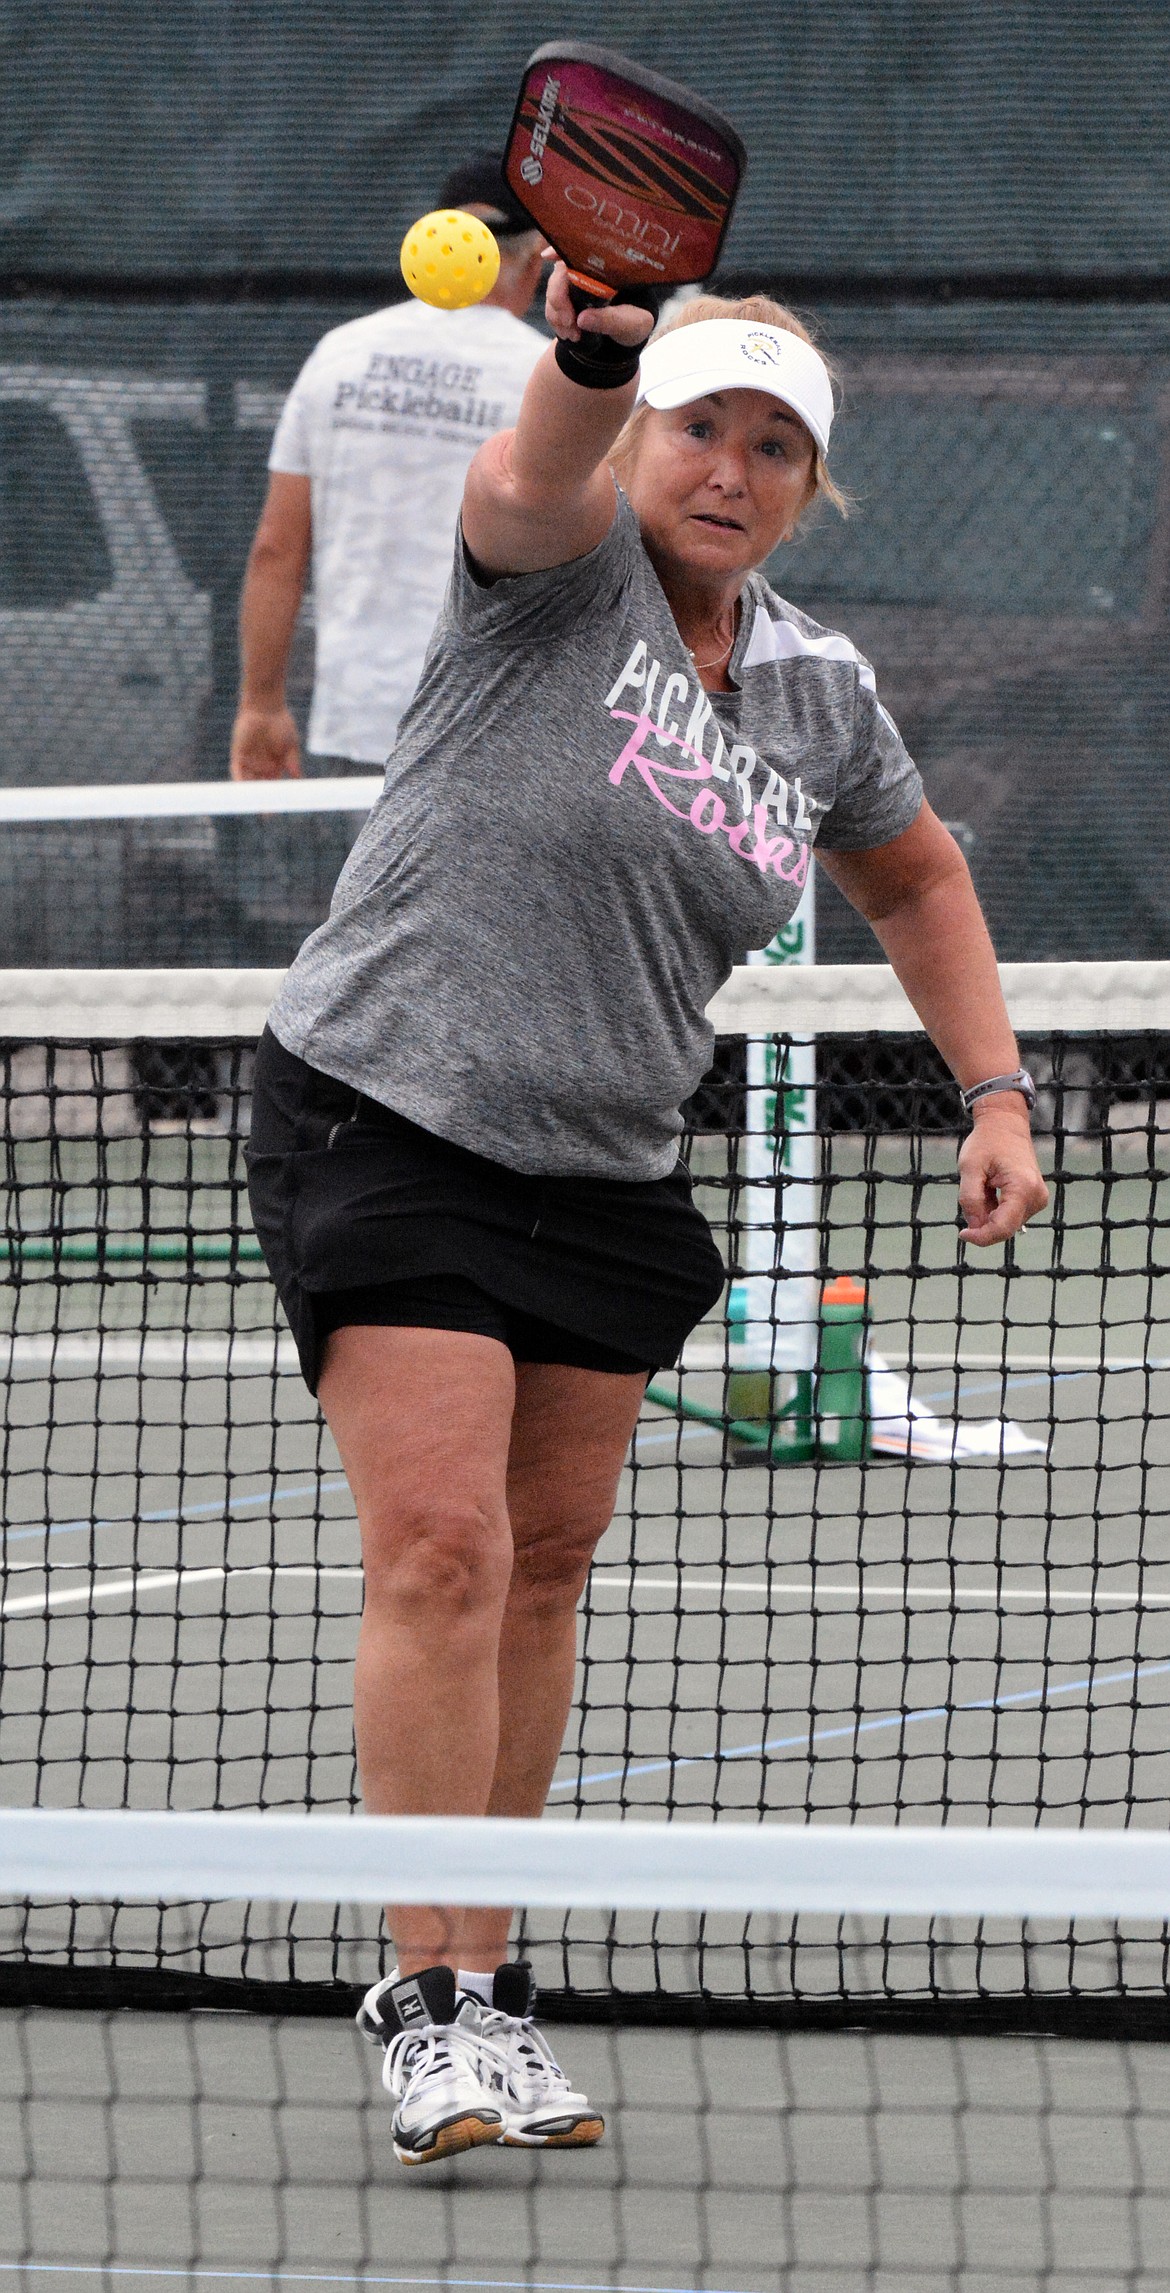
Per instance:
x=598, y=362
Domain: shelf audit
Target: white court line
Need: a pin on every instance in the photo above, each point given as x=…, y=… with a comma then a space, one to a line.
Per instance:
x=356, y=2281
x=153, y=1580
x=104, y=1351
x=717, y=1358
x=1014, y=1360
x=240, y=1353
x=858, y=1594
x=605, y=1579
x=928, y=1358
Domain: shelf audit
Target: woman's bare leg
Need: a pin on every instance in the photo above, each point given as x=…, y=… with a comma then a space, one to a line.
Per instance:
x=423, y=1422
x=570, y=1435
x=481, y=1492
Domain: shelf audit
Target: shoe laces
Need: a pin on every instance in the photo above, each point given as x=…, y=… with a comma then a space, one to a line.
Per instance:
x=514, y=2041
x=429, y=2053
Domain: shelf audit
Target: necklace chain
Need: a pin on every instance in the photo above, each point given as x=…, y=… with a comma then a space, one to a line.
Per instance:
x=724, y=650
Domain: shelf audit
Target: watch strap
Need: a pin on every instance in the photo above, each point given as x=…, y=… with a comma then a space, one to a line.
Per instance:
x=1021, y=1081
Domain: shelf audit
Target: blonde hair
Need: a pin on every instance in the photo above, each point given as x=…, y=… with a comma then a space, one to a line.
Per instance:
x=757, y=309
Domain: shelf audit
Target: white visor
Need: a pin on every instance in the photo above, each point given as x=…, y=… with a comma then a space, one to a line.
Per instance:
x=738, y=354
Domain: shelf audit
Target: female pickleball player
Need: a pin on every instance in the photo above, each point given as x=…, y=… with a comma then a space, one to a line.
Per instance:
x=464, y=1161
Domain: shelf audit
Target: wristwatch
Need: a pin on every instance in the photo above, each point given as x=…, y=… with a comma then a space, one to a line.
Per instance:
x=1021, y=1081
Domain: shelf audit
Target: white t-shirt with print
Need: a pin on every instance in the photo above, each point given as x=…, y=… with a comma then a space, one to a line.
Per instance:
x=384, y=418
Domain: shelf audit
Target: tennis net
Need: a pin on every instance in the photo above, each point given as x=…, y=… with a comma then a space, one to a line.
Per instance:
x=892, y=1545
x=236, y=2147
x=174, y=872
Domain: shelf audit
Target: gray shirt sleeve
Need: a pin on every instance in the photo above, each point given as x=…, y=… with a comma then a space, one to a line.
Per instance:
x=879, y=792
x=542, y=608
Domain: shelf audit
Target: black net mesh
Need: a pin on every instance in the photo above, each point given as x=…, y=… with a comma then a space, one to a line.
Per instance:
x=928, y=1583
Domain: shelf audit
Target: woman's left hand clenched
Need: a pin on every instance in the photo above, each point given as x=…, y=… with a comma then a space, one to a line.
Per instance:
x=1000, y=1183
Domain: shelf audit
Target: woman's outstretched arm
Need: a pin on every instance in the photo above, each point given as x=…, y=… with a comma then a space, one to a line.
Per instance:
x=542, y=493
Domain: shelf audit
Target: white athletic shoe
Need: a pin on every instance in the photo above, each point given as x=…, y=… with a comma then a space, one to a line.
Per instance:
x=541, y=2110
x=432, y=2071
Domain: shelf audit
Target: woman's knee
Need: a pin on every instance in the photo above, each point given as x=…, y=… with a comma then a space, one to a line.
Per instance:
x=439, y=1558
x=552, y=1558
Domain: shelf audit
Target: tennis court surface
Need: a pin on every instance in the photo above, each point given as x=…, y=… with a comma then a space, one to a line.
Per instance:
x=775, y=1631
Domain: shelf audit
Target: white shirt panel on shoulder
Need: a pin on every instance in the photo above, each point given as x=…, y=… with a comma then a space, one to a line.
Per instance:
x=384, y=418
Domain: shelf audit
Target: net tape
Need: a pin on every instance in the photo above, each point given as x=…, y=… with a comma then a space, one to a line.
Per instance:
x=589, y=1865
x=219, y=1005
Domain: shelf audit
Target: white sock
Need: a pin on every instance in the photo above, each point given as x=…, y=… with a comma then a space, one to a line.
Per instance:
x=476, y=1985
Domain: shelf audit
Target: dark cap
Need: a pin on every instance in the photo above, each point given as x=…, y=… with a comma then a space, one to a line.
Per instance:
x=479, y=182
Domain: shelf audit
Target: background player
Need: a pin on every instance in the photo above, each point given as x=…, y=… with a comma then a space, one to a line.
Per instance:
x=367, y=469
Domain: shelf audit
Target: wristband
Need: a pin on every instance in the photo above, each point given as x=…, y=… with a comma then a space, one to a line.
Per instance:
x=608, y=366
x=1021, y=1081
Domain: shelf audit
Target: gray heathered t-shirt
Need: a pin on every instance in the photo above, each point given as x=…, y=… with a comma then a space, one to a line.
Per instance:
x=575, y=845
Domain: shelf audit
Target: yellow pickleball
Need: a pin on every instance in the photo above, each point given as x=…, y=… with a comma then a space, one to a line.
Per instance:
x=450, y=259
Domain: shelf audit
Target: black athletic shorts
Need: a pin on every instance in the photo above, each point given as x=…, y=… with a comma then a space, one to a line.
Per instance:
x=365, y=1218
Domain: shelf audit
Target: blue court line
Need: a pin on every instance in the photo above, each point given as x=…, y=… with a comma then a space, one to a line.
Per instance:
x=864, y=1727
x=217, y=1505
x=1016, y=1382
x=1002, y=1385
x=177, y=1512
x=1008, y=1383
x=652, y=1434
x=319, y=2277
x=645, y=1434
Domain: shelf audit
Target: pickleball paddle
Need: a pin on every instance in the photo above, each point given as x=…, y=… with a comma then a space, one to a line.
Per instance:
x=630, y=176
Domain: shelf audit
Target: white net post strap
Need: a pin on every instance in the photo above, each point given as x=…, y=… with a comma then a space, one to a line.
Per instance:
x=844, y=1870
x=773, y=1320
